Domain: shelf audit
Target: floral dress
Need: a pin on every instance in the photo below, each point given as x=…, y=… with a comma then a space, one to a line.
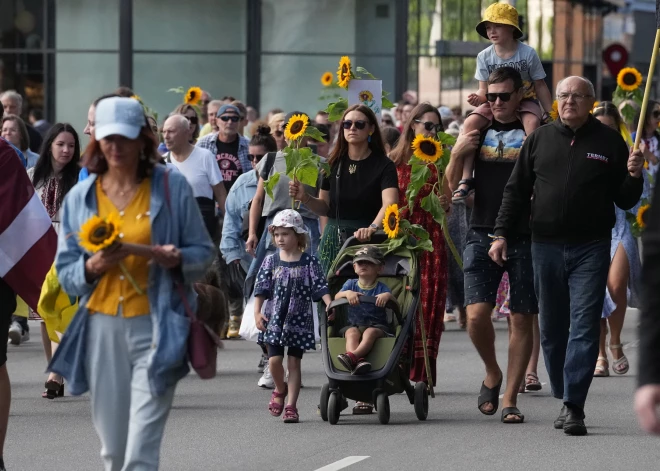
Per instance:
x=290, y=288
x=433, y=278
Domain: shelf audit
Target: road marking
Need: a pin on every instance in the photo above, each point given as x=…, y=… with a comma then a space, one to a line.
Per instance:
x=343, y=463
x=542, y=384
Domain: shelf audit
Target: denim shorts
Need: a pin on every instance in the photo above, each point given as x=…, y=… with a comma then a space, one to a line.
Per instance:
x=482, y=276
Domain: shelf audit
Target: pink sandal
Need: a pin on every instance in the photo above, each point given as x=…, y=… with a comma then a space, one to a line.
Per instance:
x=291, y=415
x=275, y=408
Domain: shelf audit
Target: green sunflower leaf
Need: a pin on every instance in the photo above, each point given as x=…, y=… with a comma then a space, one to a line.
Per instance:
x=431, y=203
x=314, y=133
x=394, y=244
x=177, y=90
x=364, y=71
x=307, y=173
x=292, y=158
x=325, y=168
x=446, y=139
x=336, y=110
x=424, y=244
x=419, y=232
x=386, y=102
x=270, y=184
x=628, y=113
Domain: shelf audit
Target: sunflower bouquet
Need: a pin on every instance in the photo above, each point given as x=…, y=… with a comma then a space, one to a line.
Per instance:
x=639, y=220
x=301, y=163
x=345, y=74
x=628, y=83
x=99, y=233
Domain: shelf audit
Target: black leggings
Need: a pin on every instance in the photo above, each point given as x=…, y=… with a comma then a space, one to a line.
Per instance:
x=278, y=351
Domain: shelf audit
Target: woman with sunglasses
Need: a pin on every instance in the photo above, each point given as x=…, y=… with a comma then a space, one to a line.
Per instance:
x=276, y=125
x=649, y=144
x=425, y=120
x=189, y=112
x=361, y=185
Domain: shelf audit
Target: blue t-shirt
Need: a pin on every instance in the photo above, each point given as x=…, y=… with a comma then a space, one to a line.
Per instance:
x=366, y=314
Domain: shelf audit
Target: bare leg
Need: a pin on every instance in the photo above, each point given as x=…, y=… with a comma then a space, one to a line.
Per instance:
x=277, y=372
x=482, y=334
x=368, y=339
x=5, y=402
x=602, y=351
x=295, y=379
x=462, y=317
x=46, y=342
x=530, y=122
x=533, y=365
x=617, y=284
x=53, y=346
x=520, y=349
x=472, y=123
x=352, y=336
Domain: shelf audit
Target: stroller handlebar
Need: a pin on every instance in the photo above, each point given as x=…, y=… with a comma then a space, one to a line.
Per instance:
x=393, y=305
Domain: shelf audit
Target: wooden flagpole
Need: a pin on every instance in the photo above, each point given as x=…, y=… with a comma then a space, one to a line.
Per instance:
x=649, y=79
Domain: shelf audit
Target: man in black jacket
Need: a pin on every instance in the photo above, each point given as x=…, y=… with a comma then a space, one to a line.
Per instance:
x=647, y=399
x=575, y=169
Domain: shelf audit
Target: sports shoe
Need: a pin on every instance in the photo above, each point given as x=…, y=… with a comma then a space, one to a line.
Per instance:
x=266, y=381
x=16, y=334
x=234, y=326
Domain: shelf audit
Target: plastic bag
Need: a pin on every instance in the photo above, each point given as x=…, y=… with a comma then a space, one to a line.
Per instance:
x=249, y=331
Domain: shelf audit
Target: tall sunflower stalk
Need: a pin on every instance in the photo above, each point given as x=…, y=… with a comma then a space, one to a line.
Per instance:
x=302, y=165
x=345, y=74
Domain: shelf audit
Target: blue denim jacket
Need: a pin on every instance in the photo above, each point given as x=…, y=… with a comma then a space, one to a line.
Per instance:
x=232, y=244
x=182, y=226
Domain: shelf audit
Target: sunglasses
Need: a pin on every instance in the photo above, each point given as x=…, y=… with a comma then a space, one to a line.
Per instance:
x=192, y=119
x=359, y=124
x=233, y=119
x=431, y=126
x=255, y=157
x=206, y=102
x=278, y=134
x=492, y=97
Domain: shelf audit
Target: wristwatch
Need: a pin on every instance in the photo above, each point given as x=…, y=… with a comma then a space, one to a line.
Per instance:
x=374, y=227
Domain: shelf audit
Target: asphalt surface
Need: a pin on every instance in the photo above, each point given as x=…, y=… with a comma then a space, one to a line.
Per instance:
x=223, y=424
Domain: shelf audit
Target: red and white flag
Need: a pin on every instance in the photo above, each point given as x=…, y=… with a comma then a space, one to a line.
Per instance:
x=28, y=241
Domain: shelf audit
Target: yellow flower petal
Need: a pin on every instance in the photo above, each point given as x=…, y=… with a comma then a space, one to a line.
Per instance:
x=344, y=72
x=426, y=149
x=98, y=233
x=629, y=79
x=193, y=96
x=296, y=127
x=326, y=79
x=391, y=221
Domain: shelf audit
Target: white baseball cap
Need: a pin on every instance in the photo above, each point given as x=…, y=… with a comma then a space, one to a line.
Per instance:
x=118, y=116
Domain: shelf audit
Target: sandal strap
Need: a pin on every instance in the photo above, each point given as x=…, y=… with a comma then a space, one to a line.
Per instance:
x=618, y=346
x=532, y=375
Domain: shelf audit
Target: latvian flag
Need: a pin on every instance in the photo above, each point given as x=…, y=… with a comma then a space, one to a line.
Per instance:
x=28, y=241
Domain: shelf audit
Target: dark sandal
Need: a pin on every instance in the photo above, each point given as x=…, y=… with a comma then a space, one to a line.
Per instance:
x=53, y=389
x=275, y=408
x=291, y=415
x=363, y=408
x=532, y=382
x=519, y=417
x=491, y=395
x=461, y=193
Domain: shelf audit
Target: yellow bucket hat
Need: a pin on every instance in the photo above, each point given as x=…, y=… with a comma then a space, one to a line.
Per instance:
x=501, y=13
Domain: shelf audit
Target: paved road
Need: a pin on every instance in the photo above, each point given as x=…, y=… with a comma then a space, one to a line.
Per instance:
x=223, y=424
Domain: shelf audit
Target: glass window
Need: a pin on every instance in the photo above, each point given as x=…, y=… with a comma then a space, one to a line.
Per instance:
x=21, y=24
x=155, y=73
x=24, y=73
x=81, y=78
x=87, y=24
x=205, y=25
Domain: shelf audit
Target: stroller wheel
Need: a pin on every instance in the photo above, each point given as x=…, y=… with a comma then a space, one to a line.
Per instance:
x=383, y=407
x=334, y=407
x=323, y=405
x=421, y=401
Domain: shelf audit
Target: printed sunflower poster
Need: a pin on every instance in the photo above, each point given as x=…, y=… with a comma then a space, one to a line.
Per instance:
x=366, y=92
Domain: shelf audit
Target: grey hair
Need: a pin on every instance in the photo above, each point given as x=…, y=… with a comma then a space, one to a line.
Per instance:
x=180, y=121
x=592, y=90
x=217, y=103
x=14, y=96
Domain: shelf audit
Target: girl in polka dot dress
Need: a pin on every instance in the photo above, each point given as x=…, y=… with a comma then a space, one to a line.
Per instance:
x=291, y=281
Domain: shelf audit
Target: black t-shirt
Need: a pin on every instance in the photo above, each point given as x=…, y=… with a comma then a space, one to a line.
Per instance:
x=494, y=162
x=230, y=165
x=361, y=184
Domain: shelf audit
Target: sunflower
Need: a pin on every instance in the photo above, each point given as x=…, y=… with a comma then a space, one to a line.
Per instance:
x=137, y=97
x=296, y=127
x=426, y=149
x=326, y=79
x=391, y=221
x=98, y=233
x=366, y=95
x=641, y=215
x=554, y=112
x=646, y=164
x=344, y=72
x=629, y=79
x=193, y=96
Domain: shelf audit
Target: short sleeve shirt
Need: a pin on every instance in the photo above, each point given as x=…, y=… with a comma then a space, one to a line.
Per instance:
x=525, y=60
x=366, y=314
x=228, y=162
x=201, y=171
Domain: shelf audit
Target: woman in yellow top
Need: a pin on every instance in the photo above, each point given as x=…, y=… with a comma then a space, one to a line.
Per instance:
x=127, y=343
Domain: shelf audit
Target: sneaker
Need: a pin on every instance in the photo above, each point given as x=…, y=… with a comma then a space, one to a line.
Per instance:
x=262, y=363
x=16, y=333
x=234, y=326
x=266, y=381
x=346, y=361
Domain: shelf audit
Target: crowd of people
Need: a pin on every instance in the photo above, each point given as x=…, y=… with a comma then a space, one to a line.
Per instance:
x=538, y=213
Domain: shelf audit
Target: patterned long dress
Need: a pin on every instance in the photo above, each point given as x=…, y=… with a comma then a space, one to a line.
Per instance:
x=433, y=273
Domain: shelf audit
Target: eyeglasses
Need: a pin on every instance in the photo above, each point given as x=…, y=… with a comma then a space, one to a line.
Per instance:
x=255, y=157
x=233, y=119
x=192, y=119
x=359, y=124
x=430, y=125
x=278, y=134
x=492, y=97
x=576, y=96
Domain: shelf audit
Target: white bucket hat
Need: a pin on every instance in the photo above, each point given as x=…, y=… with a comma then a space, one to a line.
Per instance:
x=288, y=218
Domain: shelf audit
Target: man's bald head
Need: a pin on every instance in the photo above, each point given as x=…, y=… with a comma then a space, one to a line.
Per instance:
x=575, y=100
x=175, y=132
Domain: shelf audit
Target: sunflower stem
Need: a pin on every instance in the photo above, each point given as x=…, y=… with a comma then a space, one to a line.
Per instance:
x=130, y=278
